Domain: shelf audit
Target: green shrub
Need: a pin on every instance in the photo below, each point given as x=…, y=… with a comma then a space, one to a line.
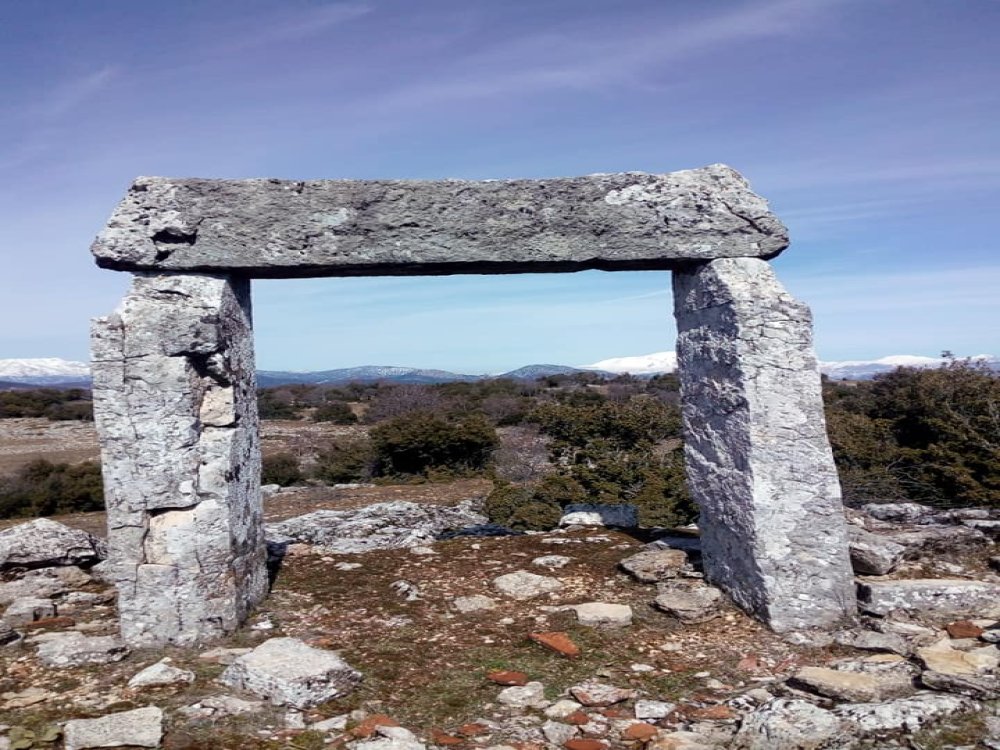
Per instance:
x=517, y=508
x=55, y=404
x=334, y=411
x=43, y=488
x=274, y=405
x=416, y=443
x=281, y=468
x=347, y=460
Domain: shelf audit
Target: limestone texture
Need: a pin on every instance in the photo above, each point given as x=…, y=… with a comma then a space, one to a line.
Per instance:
x=280, y=228
x=43, y=542
x=378, y=526
x=871, y=554
x=931, y=596
x=175, y=408
x=522, y=585
x=758, y=459
x=142, y=727
x=72, y=649
x=289, y=672
x=594, y=514
x=784, y=724
x=653, y=565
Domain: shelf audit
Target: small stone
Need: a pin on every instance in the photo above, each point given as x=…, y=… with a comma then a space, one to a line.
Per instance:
x=963, y=629
x=333, y=724
x=58, y=622
x=28, y=609
x=981, y=687
x=681, y=741
x=223, y=655
x=601, y=614
x=474, y=603
x=785, y=724
x=941, y=657
x=908, y=714
x=869, y=640
x=589, y=514
x=290, y=672
x=142, y=727
x=934, y=596
x=689, y=604
x=444, y=739
x=422, y=551
x=647, y=709
x=552, y=561
x=719, y=712
x=872, y=554
x=845, y=686
x=522, y=585
x=562, y=708
x=558, y=733
x=406, y=590
x=592, y=693
x=558, y=642
x=640, y=731
x=347, y=566
x=473, y=729
x=369, y=724
x=161, y=673
x=652, y=566
x=577, y=718
x=508, y=678
x=221, y=705
x=24, y=698
x=531, y=695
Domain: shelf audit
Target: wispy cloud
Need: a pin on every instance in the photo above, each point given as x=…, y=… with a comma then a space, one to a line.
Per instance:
x=70, y=94
x=289, y=25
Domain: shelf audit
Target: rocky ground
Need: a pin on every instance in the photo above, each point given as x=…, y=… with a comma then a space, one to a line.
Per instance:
x=580, y=638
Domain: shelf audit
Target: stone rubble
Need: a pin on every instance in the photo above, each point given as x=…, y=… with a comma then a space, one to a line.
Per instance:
x=44, y=542
x=588, y=514
x=522, y=585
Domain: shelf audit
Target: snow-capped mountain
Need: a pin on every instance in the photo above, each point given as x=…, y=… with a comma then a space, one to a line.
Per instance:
x=859, y=369
x=43, y=371
x=644, y=364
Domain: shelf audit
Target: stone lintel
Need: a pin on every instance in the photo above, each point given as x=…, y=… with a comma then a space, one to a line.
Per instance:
x=758, y=459
x=283, y=229
x=176, y=416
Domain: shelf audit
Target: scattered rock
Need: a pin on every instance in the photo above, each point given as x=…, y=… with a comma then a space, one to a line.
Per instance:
x=981, y=687
x=44, y=542
x=522, y=585
x=369, y=724
x=378, y=526
x=552, y=561
x=647, y=709
x=851, y=686
x=28, y=609
x=785, y=724
x=558, y=733
x=28, y=697
x=640, y=731
x=872, y=554
x=287, y=671
x=592, y=693
x=160, y=674
x=600, y=614
x=909, y=714
x=689, y=603
x=221, y=705
x=585, y=744
x=142, y=727
x=929, y=596
x=681, y=741
x=531, y=695
x=654, y=565
x=474, y=603
x=586, y=514
x=869, y=640
x=558, y=642
x=223, y=655
x=8, y=634
x=900, y=512
x=75, y=649
x=942, y=658
x=406, y=590
x=562, y=708
x=333, y=724
x=508, y=678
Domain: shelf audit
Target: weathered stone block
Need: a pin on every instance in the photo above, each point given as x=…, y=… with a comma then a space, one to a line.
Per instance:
x=142, y=727
x=175, y=406
x=45, y=542
x=283, y=228
x=287, y=671
x=758, y=460
x=931, y=596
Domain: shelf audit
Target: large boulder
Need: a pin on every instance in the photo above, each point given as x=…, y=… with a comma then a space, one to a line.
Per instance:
x=42, y=542
x=379, y=526
x=289, y=672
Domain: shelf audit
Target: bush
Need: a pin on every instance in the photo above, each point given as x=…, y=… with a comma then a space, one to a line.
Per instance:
x=55, y=404
x=274, y=405
x=517, y=508
x=43, y=488
x=420, y=442
x=335, y=411
x=281, y=468
x=350, y=460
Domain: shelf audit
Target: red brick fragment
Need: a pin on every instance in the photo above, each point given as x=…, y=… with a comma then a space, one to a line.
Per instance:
x=582, y=744
x=50, y=622
x=558, y=642
x=577, y=719
x=473, y=730
x=366, y=727
x=721, y=712
x=641, y=731
x=508, y=677
x=963, y=629
x=443, y=738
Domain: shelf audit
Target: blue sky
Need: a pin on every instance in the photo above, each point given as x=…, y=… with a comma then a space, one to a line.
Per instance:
x=870, y=125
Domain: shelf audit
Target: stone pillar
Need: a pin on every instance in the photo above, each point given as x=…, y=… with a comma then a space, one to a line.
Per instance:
x=758, y=460
x=175, y=407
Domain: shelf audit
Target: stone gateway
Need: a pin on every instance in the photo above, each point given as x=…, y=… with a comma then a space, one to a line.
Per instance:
x=174, y=383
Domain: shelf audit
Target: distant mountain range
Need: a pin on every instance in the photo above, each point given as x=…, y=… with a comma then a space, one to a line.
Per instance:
x=26, y=373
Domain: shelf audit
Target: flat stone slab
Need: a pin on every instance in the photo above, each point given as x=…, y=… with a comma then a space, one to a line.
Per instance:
x=281, y=229
x=287, y=671
x=43, y=542
x=142, y=727
x=932, y=596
